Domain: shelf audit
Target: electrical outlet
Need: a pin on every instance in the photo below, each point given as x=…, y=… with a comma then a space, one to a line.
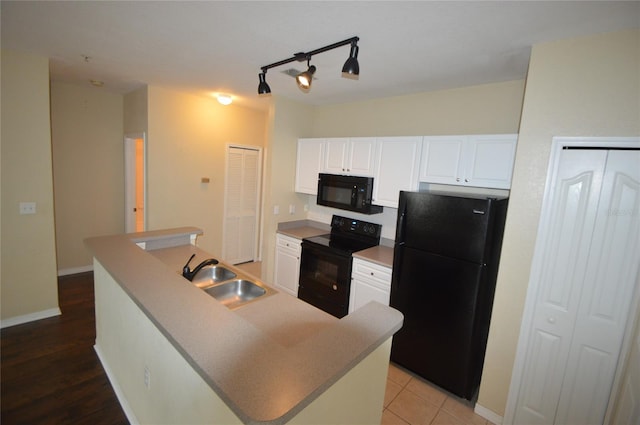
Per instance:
x=276, y=209
x=147, y=378
x=292, y=208
x=27, y=207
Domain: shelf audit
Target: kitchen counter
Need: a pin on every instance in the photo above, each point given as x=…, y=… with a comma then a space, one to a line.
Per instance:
x=268, y=361
x=301, y=229
x=381, y=254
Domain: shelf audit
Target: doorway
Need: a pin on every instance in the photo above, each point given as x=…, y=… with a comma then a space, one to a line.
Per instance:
x=243, y=182
x=135, y=182
x=583, y=294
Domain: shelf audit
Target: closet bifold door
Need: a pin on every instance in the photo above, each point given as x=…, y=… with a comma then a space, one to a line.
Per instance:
x=585, y=286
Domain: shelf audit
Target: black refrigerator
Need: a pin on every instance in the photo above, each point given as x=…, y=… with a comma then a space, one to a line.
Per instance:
x=445, y=264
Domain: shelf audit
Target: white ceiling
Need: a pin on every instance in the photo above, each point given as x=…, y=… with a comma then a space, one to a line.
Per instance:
x=219, y=46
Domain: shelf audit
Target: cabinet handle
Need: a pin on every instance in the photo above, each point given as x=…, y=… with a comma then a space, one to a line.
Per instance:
x=551, y=320
x=457, y=179
x=371, y=273
x=466, y=180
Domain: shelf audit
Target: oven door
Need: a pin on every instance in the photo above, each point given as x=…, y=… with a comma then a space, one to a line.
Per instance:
x=325, y=279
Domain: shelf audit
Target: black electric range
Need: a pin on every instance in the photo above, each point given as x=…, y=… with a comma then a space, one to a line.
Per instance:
x=325, y=266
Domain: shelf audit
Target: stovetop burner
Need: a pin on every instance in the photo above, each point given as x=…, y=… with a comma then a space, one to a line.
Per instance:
x=348, y=235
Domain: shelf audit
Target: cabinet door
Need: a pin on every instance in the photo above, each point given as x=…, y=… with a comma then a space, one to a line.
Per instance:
x=442, y=159
x=309, y=162
x=362, y=156
x=287, y=264
x=397, y=168
x=489, y=161
x=369, y=282
x=336, y=155
x=364, y=292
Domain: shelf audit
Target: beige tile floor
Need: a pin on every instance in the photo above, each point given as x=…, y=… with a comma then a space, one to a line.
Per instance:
x=411, y=400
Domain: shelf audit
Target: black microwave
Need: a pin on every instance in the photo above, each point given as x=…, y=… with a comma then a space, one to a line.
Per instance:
x=352, y=193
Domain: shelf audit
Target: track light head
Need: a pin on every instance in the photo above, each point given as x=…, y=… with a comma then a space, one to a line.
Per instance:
x=263, y=87
x=304, y=78
x=351, y=68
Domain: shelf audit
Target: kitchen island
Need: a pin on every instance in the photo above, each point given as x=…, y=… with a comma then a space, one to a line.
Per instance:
x=174, y=354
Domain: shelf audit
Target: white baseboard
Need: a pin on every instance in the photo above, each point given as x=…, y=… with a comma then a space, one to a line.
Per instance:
x=126, y=408
x=26, y=318
x=489, y=415
x=75, y=270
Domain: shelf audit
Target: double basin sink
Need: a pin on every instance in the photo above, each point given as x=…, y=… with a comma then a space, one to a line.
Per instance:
x=227, y=287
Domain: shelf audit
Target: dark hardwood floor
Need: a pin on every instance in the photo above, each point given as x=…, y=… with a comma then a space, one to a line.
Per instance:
x=49, y=372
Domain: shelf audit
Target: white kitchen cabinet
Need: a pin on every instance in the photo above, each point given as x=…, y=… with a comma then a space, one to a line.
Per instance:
x=398, y=166
x=287, y=264
x=355, y=156
x=369, y=282
x=474, y=160
x=309, y=162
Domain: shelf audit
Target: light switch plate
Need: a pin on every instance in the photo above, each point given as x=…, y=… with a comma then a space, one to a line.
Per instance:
x=27, y=207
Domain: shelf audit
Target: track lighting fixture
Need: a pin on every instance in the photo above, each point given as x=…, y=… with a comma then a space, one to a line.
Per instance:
x=304, y=78
x=351, y=68
x=263, y=87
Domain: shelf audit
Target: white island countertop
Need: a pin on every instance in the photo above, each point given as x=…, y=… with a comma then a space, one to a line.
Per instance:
x=267, y=360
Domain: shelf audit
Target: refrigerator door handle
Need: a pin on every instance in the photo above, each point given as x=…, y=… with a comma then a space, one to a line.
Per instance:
x=397, y=260
x=478, y=212
x=400, y=226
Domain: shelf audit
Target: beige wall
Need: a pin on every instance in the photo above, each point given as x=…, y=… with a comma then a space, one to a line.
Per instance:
x=135, y=111
x=487, y=108
x=88, y=169
x=580, y=87
x=186, y=140
x=288, y=121
x=28, y=276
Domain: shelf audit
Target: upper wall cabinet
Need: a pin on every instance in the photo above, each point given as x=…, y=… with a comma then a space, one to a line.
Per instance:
x=355, y=156
x=398, y=165
x=310, y=162
x=477, y=160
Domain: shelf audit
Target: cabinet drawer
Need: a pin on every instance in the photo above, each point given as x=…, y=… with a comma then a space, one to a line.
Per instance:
x=369, y=270
x=289, y=243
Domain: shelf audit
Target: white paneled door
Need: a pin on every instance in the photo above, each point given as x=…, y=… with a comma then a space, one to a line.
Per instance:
x=582, y=289
x=242, y=196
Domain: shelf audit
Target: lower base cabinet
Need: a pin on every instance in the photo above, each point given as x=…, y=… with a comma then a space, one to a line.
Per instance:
x=369, y=282
x=287, y=264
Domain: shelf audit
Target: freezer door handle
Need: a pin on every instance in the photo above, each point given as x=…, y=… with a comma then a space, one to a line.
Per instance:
x=478, y=212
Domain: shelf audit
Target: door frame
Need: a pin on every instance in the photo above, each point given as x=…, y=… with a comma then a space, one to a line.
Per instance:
x=557, y=145
x=257, y=250
x=130, y=179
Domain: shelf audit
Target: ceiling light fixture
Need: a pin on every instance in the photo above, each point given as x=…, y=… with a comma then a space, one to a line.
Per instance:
x=224, y=99
x=351, y=68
